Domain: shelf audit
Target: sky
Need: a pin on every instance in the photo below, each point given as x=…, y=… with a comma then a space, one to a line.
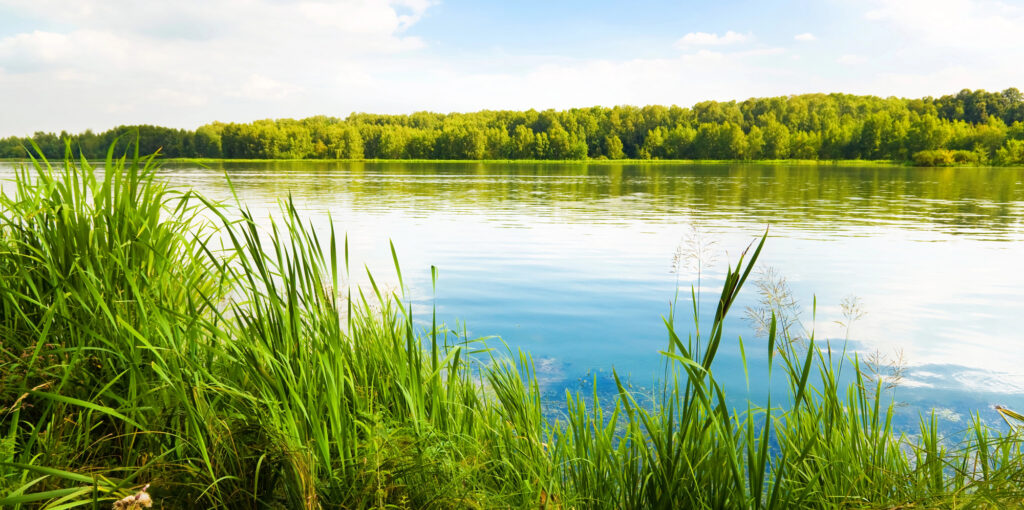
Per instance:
x=95, y=64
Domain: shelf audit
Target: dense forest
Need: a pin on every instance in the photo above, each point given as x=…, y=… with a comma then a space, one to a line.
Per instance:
x=971, y=127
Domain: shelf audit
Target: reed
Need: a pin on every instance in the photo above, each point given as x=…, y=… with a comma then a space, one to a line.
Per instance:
x=151, y=337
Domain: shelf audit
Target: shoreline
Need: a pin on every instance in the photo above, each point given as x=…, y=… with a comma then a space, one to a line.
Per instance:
x=802, y=162
x=651, y=162
x=884, y=163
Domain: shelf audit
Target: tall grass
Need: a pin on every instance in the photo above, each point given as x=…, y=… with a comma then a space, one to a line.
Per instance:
x=150, y=336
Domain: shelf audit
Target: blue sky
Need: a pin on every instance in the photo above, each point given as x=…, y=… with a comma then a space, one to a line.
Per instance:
x=98, y=63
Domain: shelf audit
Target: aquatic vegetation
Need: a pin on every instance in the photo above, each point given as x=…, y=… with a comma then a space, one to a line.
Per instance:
x=155, y=340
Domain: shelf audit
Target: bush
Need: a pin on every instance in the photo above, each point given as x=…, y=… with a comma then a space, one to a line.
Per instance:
x=945, y=157
x=940, y=157
x=1012, y=153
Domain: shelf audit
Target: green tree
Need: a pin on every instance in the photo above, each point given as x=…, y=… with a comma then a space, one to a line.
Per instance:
x=654, y=144
x=776, y=139
x=613, y=147
x=755, y=143
x=523, y=142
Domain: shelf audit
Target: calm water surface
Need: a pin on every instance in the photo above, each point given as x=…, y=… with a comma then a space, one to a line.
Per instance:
x=573, y=262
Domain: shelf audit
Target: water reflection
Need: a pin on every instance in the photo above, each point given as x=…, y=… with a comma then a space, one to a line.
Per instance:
x=970, y=201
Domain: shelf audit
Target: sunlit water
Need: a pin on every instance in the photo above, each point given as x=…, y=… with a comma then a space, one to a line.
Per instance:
x=573, y=263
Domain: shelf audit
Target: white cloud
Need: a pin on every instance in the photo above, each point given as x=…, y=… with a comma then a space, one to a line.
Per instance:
x=936, y=47
x=561, y=83
x=262, y=87
x=758, y=52
x=189, y=62
x=212, y=19
x=851, y=60
x=708, y=39
x=961, y=24
x=805, y=37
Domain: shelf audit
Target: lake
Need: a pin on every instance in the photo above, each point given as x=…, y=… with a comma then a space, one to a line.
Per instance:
x=574, y=262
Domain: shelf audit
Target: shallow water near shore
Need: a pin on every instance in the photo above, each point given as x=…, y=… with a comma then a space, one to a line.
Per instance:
x=573, y=263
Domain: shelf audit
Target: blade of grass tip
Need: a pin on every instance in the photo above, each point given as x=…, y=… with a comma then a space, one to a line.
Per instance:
x=674, y=341
x=398, y=268
x=231, y=188
x=743, y=358
x=737, y=281
x=624, y=395
x=373, y=283
x=750, y=264
x=730, y=290
x=814, y=315
x=696, y=311
x=39, y=152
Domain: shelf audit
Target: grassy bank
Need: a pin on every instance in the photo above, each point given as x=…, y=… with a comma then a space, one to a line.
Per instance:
x=230, y=365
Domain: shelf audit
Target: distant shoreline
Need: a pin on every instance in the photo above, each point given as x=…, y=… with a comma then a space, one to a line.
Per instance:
x=806, y=162
x=809, y=162
x=598, y=162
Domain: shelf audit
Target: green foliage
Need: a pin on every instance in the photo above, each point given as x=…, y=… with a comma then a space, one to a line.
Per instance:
x=1012, y=153
x=944, y=157
x=810, y=126
x=613, y=147
x=234, y=367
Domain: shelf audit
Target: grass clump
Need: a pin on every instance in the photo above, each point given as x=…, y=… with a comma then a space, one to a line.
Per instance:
x=153, y=338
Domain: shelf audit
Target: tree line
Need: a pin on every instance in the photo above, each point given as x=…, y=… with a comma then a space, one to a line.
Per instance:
x=976, y=127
